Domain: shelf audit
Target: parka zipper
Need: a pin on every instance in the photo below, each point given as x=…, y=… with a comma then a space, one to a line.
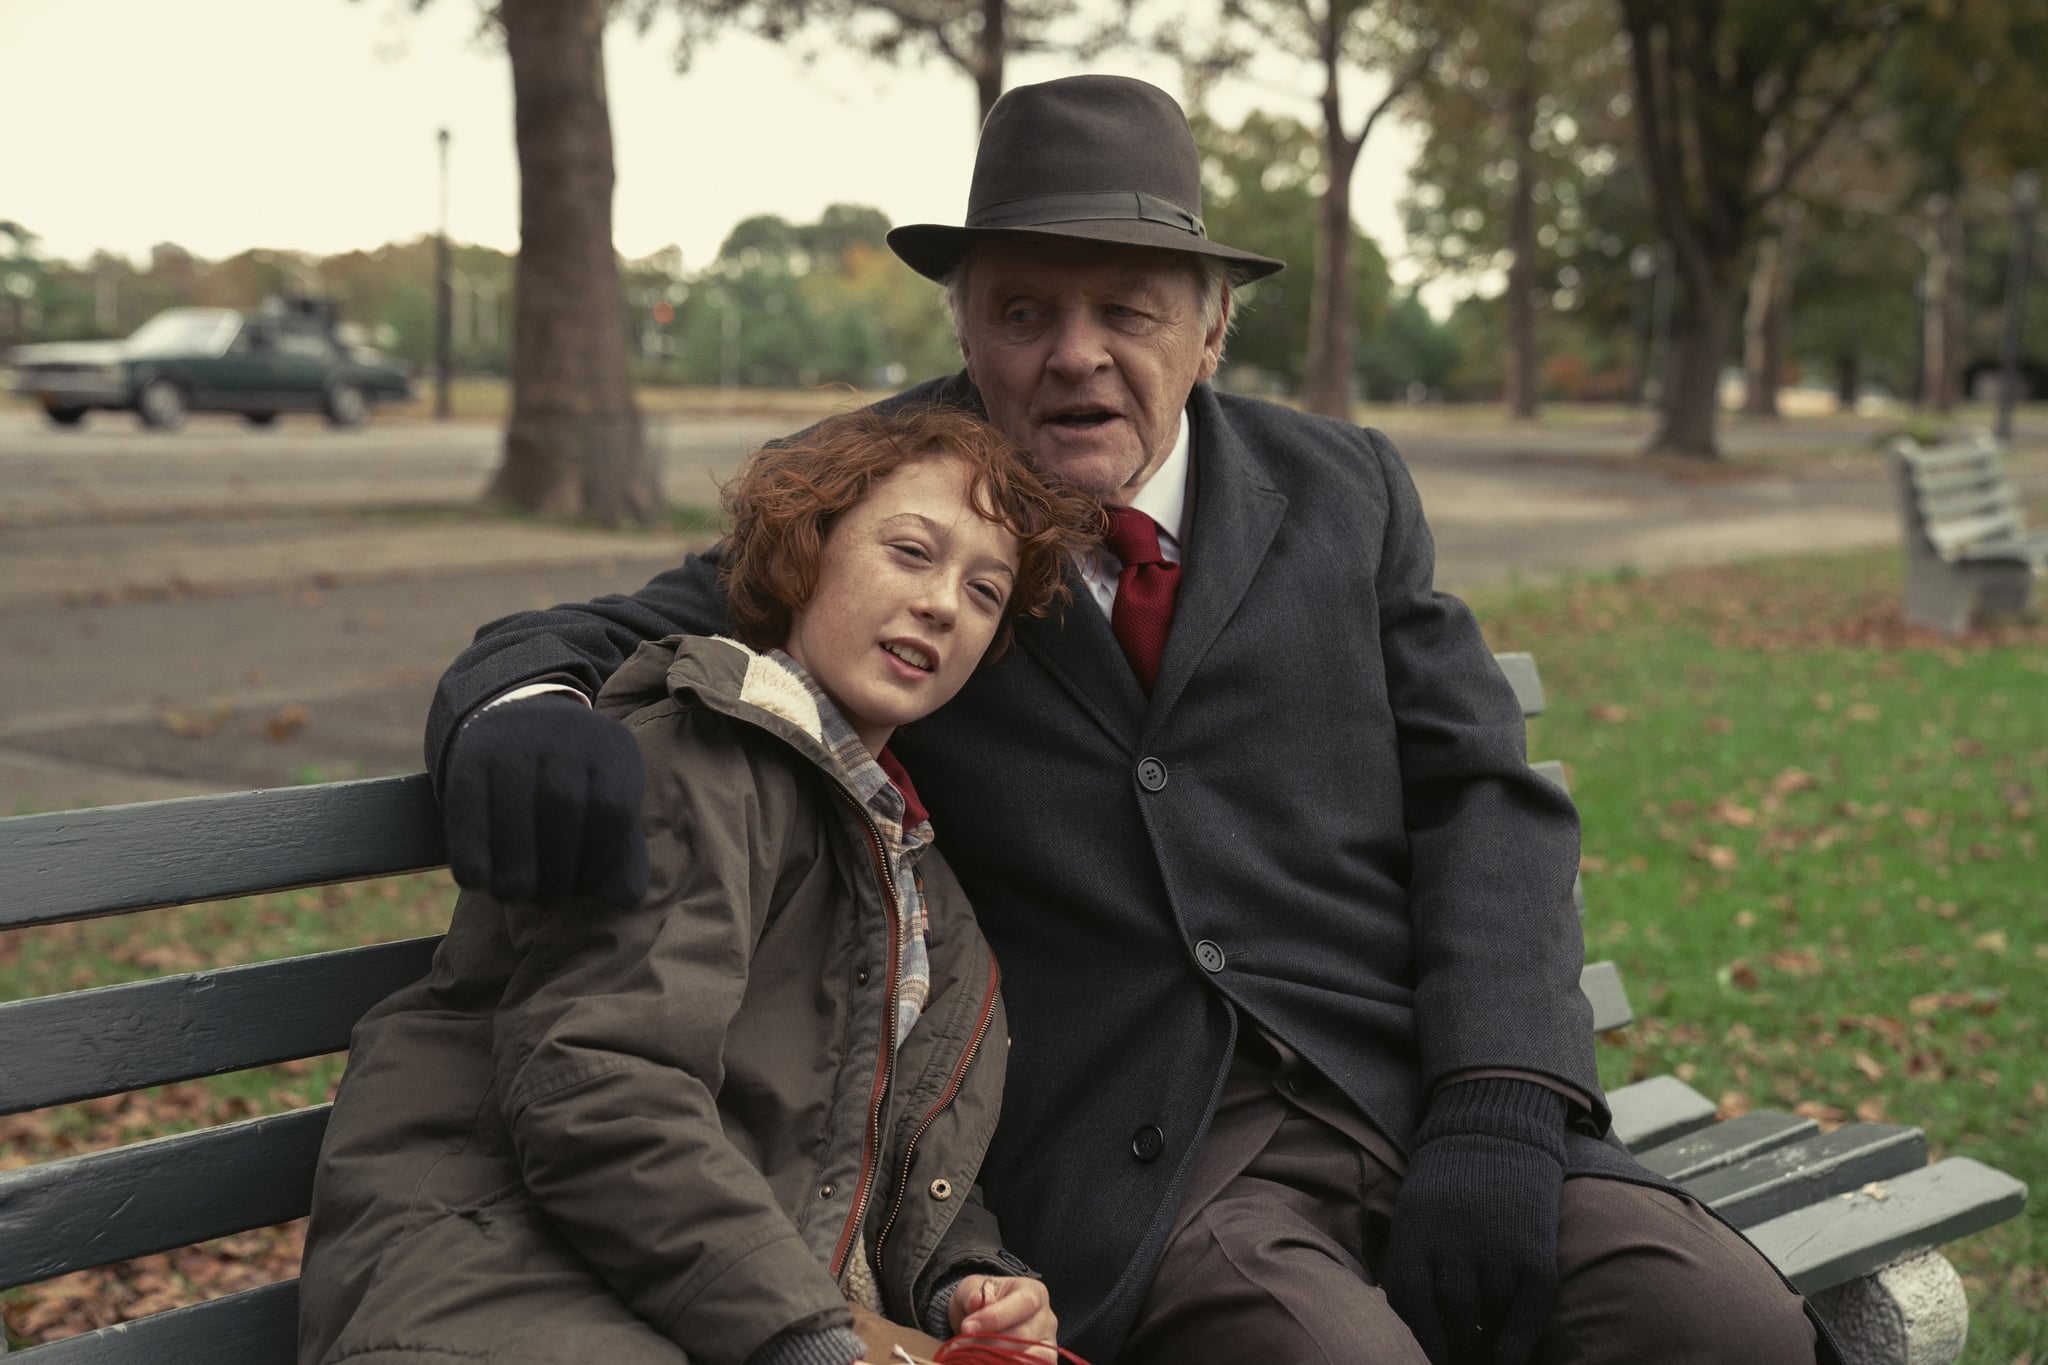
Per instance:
x=951, y=1092
x=864, y=1189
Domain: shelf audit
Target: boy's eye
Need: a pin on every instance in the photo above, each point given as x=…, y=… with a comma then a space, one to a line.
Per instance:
x=911, y=548
x=990, y=591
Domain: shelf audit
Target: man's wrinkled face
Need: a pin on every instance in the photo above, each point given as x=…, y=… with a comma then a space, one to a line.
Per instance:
x=1085, y=354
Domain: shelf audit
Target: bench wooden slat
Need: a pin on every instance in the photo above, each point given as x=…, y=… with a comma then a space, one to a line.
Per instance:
x=1981, y=473
x=1973, y=450
x=1798, y=1174
x=1601, y=984
x=1835, y=1241
x=62, y=1048
x=76, y=864
x=259, y=1324
x=1725, y=1143
x=1656, y=1111
x=1522, y=676
x=1952, y=536
x=2031, y=548
x=1992, y=499
x=102, y=1207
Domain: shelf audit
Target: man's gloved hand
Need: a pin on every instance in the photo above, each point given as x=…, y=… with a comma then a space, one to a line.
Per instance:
x=541, y=803
x=1472, y=1256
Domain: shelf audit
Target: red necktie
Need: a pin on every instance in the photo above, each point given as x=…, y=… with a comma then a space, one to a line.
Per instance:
x=1144, y=592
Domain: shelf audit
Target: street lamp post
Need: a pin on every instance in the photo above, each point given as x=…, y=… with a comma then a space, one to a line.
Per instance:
x=2026, y=194
x=442, y=299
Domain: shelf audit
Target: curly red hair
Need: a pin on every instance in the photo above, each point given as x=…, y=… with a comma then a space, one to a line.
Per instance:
x=786, y=498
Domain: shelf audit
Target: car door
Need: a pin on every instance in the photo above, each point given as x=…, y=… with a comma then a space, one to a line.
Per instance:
x=305, y=361
x=240, y=378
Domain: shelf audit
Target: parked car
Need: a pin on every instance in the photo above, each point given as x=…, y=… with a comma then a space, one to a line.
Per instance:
x=283, y=358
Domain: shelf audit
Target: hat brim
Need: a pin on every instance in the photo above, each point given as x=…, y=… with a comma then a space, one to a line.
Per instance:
x=933, y=249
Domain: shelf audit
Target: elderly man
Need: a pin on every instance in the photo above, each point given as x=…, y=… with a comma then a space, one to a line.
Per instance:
x=1300, y=1070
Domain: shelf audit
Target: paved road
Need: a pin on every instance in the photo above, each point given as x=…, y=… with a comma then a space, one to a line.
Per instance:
x=212, y=610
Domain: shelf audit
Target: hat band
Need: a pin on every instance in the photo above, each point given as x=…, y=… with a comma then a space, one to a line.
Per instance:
x=1044, y=209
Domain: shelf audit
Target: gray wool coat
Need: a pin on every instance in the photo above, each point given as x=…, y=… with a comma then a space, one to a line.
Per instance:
x=1322, y=819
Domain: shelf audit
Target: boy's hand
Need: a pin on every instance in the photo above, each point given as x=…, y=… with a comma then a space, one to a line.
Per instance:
x=1004, y=1305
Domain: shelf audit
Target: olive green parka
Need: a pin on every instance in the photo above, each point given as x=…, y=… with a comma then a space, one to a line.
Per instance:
x=657, y=1135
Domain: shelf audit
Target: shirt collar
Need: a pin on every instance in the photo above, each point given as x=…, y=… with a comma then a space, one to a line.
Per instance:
x=1164, y=498
x=898, y=807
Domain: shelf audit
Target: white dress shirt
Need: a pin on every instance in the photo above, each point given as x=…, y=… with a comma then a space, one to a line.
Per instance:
x=1164, y=498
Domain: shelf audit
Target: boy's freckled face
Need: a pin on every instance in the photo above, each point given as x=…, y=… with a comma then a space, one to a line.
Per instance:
x=912, y=584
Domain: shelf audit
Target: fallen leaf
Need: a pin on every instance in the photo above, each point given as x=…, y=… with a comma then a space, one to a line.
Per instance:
x=1731, y=813
x=286, y=721
x=1794, y=780
x=1993, y=942
x=1872, y=1069
x=1607, y=713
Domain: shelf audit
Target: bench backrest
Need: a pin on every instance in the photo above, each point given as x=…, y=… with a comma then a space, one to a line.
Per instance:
x=78, y=1212
x=101, y=1207
x=1958, y=495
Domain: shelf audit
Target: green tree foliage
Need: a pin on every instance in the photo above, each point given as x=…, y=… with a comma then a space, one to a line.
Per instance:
x=1527, y=174
x=807, y=304
x=1260, y=182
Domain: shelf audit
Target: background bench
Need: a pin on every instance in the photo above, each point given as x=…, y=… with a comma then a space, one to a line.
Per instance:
x=1969, y=551
x=1851, y=1216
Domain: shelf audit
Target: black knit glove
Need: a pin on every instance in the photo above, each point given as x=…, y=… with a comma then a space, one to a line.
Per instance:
x=1472, y=1256
x=542, y=804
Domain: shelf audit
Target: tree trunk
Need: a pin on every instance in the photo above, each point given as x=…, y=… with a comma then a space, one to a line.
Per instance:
x=1848, y=381
x=573, y=447
x=1519, y=381
x=990, y=47
x=1763, y=326
x=1326, y=382
x=1942, y=318
x=1692, y=375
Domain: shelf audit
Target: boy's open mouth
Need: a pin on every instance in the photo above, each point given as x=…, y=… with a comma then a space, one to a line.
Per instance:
x=910, y=654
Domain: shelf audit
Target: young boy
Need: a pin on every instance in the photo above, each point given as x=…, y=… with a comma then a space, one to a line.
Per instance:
x=701, y=1130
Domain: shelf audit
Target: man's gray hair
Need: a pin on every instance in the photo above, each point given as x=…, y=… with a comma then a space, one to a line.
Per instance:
x=1212, y=278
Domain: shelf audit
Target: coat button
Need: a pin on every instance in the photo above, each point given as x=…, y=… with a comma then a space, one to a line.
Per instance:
x=860, y=978
x=1209, y=955
x=1151, y=774
x=942, y=1188
x=827, y=1192
x=1147, y=1143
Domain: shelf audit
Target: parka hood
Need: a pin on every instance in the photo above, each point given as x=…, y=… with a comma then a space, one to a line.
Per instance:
x=729, y=678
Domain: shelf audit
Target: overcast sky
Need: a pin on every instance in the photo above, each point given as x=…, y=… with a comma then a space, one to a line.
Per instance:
x=309, y=124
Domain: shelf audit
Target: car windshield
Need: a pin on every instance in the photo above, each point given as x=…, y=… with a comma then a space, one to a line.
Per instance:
x=185, y=331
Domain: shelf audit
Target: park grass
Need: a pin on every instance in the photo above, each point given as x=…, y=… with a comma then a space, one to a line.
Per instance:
x=1812, y=844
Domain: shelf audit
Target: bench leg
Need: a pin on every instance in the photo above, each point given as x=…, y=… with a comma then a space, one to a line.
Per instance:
x=2003, y=590
x=1939, y=594
x=1912, y=1312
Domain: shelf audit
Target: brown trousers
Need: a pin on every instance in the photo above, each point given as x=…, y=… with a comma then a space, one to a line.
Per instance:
x=1275, y=1254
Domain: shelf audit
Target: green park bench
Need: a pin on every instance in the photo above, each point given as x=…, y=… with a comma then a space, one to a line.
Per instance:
x=1969, y=551
x=1853, y=1217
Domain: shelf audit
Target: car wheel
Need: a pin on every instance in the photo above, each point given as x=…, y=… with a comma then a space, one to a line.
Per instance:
x=66, y=417
x=347, y=406
x=161, y=404
x=259, y=419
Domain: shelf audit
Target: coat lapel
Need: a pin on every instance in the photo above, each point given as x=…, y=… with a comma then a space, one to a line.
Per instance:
x=1081, y=653
x=1237, y=514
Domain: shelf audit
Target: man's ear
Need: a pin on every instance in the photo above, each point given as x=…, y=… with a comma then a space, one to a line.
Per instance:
x=1212, y=343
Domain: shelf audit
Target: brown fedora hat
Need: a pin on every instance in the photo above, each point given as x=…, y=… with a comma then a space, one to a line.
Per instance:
x=1093, y=158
